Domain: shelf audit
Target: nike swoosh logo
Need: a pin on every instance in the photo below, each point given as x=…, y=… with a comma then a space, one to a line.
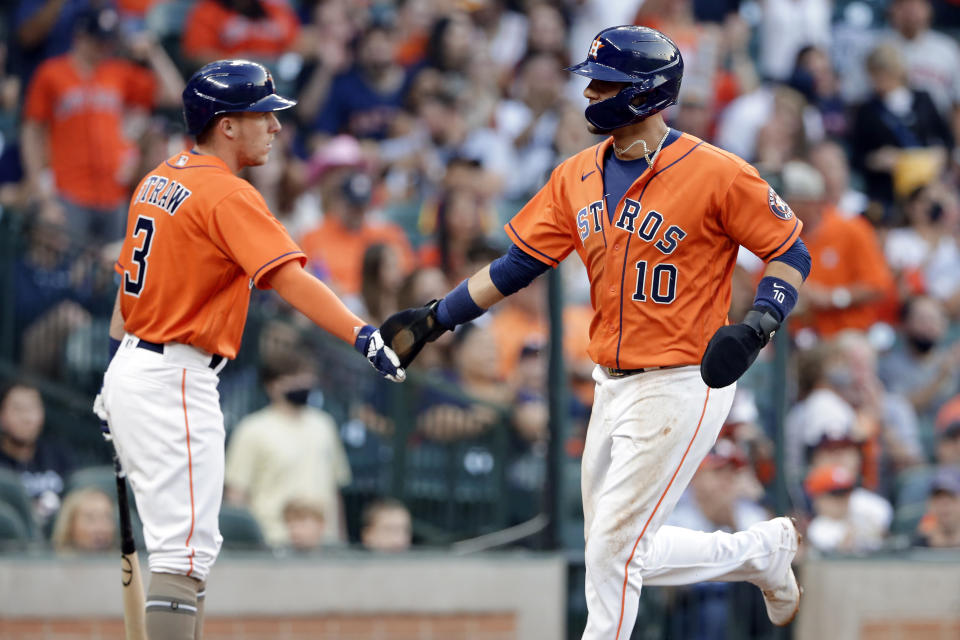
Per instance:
x=587, y=175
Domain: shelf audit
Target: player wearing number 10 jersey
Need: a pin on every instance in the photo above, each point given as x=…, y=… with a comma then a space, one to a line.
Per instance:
x=657, y=217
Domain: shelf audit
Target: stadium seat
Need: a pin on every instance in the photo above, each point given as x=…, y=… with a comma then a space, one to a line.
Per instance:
x=913, y=485
x=239, y=529
x=15, y=496
x=912, y=489
x=99, y=477
x=907, y=517
x=13, y=531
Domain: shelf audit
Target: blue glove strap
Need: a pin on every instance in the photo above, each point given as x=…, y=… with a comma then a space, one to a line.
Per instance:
x=457, y=307
x=779, y=296
x=114, y=346
x=363, y=336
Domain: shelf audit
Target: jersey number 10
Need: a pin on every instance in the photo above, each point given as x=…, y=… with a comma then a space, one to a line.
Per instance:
x=663, y=283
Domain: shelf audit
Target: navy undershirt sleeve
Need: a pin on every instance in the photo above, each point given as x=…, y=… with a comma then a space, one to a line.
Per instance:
x=514, y=270
x=798, y=257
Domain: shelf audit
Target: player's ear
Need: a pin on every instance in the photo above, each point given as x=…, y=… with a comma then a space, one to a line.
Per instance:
x=228, y=126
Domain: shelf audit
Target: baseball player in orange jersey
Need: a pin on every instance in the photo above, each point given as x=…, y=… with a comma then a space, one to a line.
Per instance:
x=199, y=238
x=657, y=216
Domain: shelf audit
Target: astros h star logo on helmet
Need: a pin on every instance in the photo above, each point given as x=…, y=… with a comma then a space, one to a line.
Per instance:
x=595, y=47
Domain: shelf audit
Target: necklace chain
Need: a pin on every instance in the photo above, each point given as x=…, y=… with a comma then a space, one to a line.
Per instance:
x=646, y=151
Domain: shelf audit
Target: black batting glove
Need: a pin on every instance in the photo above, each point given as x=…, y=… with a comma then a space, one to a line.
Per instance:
x=733, y=348
x=407, y=331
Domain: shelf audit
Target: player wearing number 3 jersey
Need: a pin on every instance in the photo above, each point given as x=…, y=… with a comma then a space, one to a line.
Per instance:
x=199, y=238
x=657, y=217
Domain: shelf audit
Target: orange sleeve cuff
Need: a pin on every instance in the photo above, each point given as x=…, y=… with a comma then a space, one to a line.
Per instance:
x=315, y=300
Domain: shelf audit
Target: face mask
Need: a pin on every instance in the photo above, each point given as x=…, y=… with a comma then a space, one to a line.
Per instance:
x=839, y=377
x=922, y=344
x=298, y=397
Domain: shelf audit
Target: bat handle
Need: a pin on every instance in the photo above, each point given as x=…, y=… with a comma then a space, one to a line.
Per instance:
x=127, y=545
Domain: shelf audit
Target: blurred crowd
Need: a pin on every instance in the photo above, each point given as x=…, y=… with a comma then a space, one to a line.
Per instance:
x=422, y=127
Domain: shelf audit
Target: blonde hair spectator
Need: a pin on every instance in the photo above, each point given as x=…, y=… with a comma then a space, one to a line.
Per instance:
x=86, y=522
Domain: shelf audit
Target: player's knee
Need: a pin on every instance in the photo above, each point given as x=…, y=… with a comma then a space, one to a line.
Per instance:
x=193, y=563
x=644, y=558
x=615, y=551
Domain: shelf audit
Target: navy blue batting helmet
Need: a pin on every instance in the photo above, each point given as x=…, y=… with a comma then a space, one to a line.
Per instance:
x=648, y=61
x=229, y=86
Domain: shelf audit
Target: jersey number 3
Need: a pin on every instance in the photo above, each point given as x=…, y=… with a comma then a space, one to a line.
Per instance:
x=133, y=286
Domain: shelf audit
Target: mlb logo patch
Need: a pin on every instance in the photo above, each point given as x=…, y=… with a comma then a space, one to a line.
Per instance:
x=182, y=161
x=779, y=208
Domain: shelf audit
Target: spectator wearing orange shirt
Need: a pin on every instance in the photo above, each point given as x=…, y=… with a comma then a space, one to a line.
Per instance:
x=521, y=321
x=336, y=247
x=74, y=117
x=258, y=29
x=850, y=282
x=136, y=8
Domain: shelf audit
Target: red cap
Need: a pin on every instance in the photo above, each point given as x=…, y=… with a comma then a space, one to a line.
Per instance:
x=724, y=453
x=831, y=478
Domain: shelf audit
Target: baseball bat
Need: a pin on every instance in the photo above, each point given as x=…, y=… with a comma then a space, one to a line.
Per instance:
x=134, y=615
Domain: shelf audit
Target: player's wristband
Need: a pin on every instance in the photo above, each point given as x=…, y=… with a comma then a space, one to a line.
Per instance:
x=458, y=307
x=114, y=346
x=779, y=296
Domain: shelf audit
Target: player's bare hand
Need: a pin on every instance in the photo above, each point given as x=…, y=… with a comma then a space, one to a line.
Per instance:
x=141, y=45
x=370, y=344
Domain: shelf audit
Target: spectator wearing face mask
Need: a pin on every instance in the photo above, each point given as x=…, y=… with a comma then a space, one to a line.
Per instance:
x=922, y=366
x=925, y=254
x=287, y=450
x=886, y=421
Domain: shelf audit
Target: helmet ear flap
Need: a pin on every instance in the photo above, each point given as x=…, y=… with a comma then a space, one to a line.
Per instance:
x=632, y=104
x=618, y=111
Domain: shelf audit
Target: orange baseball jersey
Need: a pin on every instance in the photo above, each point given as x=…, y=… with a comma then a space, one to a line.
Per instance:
x=337, y=251
x=137, y=8
x=831, y=244
x=660, y=264
x=212, y=27
x=84, y=116
x=198, y=240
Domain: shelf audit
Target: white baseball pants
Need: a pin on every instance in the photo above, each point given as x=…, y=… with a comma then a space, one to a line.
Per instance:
x=647, y=436
x=164, y=414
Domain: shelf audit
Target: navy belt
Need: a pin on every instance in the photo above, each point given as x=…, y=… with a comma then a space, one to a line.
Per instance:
x=158, y=348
